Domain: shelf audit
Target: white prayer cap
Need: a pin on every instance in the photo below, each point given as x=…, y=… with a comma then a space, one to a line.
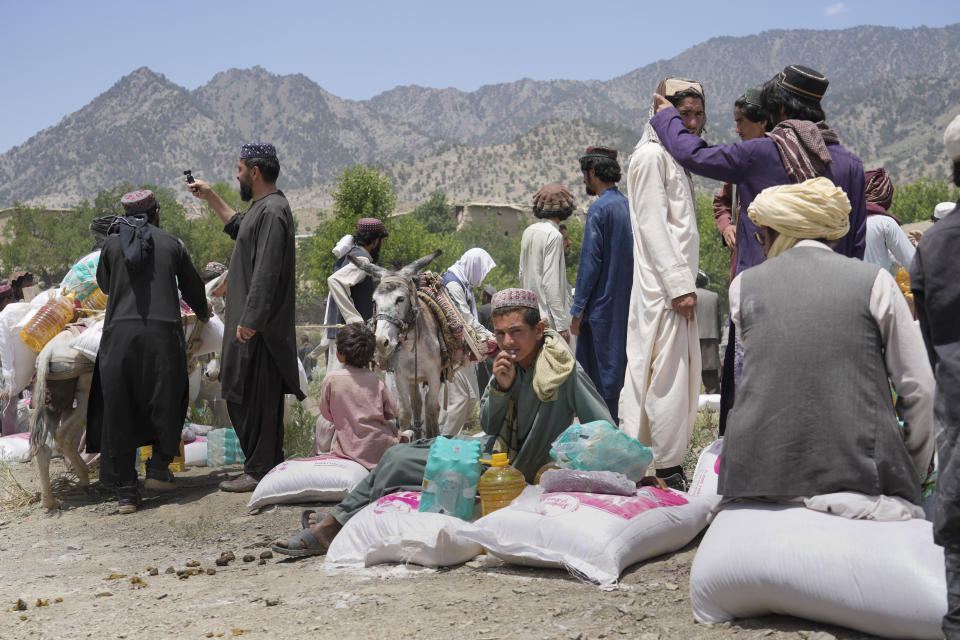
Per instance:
x=943, y=209
x=951, y=139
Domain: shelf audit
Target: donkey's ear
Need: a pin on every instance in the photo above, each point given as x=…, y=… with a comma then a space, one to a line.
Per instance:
x=373, y=269
x=417, y=265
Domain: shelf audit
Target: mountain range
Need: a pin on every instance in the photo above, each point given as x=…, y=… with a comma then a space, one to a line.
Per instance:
x=891, y=93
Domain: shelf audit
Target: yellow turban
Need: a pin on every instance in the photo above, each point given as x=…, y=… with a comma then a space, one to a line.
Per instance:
x=814, y=208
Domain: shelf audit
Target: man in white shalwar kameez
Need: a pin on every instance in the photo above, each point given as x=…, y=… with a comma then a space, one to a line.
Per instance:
x=658, y=403
x=543, y=268
x=462, y=392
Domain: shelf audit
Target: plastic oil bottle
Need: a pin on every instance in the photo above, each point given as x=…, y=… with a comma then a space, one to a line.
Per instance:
x=48, y=322
x=96, y=301
x=499, y=484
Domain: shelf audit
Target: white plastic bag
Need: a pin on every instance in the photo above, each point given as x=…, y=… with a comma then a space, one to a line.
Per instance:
x=195, y=453
x=883, y=578
x=323, y=478
x=592, y=535
x=208, y=336
x=709, y=401
x=15, y=448
x=393, y=530
x=17, y=359
x=88, y=342
x=707, y=474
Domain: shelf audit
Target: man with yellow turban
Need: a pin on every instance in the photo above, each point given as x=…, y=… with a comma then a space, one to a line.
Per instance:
x=822, y=335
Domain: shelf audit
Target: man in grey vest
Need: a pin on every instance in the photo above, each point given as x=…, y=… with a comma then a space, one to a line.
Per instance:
x=824, y=336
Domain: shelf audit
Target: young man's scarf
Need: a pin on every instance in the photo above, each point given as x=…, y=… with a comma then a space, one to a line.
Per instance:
x=803, y=147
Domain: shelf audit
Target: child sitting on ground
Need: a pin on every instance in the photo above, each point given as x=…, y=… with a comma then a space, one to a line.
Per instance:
x=357, y=402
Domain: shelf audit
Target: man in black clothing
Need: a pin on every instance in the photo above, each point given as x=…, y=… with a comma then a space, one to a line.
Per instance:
x=259, y=341
x=141, y=362
x=935, y=280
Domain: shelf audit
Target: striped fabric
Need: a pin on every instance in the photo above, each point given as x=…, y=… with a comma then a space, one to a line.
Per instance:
x=803, y=147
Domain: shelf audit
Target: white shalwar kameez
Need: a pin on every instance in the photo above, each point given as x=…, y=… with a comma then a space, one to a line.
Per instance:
x=658, y=404
x=543, y=270
x=462, y=391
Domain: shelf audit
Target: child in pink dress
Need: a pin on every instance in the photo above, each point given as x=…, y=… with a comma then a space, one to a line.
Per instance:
x=357, y=402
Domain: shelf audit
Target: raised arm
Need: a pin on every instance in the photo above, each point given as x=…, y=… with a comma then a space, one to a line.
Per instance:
x=724, y=162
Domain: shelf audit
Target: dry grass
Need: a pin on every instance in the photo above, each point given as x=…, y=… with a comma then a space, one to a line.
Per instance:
x=13, y=495
x=705, y=430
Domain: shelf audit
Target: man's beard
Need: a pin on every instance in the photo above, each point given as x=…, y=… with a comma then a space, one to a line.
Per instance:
x=375, y=254
x=590, y=191
x=246, y=191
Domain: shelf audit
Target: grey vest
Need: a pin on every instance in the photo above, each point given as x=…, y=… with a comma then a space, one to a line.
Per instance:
x=813, y=412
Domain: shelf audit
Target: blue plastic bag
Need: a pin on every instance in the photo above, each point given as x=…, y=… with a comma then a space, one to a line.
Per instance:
x=598, y=446
x=451, y=477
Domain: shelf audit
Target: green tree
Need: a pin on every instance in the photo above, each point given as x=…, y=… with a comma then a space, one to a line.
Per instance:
x=915, y=201
x=359, y=192
x=410, y=239
x=714, y=255
x=435, y=214
x=363, y=192
x=504, y=249
x=575, y=232
x=46, y=243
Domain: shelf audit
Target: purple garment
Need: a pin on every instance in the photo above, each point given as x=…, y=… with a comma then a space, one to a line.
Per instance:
x=753, y=166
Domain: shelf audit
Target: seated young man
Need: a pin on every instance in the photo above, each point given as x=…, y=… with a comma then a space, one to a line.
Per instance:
x=534, y=373
x=823, y=337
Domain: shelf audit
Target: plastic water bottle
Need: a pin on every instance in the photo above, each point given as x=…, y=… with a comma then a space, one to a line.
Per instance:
x=47, y=322
x=499, y=484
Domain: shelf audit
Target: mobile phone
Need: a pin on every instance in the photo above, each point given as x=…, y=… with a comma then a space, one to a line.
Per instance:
x=190, y=179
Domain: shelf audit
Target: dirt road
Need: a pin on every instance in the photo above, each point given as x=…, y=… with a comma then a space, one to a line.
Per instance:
x=92, y=566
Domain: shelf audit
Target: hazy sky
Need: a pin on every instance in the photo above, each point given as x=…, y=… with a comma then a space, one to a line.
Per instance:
x=60, y=55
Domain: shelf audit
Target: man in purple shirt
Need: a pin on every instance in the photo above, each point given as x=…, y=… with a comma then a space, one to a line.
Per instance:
x=792, y=95
x=799, y=147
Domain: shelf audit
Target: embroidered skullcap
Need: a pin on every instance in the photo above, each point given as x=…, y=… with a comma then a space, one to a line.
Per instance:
x=951, y=139
x=600, y=152
x=140, y=201
x=258, y=150
x=514, y=298
x=943, y=209
x=814, y=208
x=803, y=81
x=367, y=225
x=752, y=96
x=215, y=267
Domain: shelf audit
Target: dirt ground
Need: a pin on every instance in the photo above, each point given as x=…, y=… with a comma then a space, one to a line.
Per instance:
x=84, y=572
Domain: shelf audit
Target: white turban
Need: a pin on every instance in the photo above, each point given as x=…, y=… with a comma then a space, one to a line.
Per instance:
x=814, y=208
